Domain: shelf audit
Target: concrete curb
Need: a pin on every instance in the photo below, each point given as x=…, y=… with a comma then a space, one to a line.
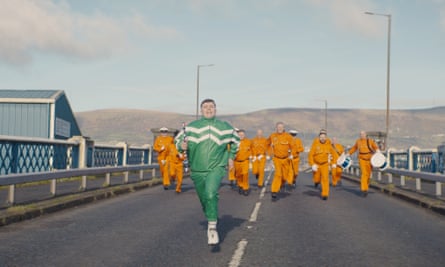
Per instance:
x=20, y=213
x=431, y=203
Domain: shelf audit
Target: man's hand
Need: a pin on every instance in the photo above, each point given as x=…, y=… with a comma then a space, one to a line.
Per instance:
x=314, y=167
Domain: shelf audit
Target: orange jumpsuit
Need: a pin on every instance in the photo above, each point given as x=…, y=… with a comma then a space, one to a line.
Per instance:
x=365, y=153
x=336, y=172
x=295, y=162
x=161, y=145
x=176, y=166
x=231, y=171
x=281, y=145
x=259, y=149
x=242, y=164
x=320, y=155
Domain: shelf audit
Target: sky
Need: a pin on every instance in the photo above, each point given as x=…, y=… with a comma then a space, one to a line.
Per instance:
x=144, y=54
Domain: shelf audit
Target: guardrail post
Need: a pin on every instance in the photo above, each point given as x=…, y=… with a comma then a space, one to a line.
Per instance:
x=389, y=177
x=418, y=184
x=126, y=177
x=402, y=180
x=107, y=179
x=153, y=173
x=11, y=194
x=379, y=176
x=438, y=189
x=83, y=184
x=141, y=175
x=53, y=187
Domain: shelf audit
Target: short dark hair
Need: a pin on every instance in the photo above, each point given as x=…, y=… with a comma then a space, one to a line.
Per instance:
x=208, y=100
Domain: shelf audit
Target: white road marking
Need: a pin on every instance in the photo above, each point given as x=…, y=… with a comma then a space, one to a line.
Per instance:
x=238, y=255
x=239, y=252
x=254, y=214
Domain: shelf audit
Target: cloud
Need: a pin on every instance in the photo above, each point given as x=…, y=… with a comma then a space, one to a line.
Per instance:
x=47, y=26
x=349, y=15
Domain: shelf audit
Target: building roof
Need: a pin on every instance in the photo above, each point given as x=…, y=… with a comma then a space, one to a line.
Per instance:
x=29, y=95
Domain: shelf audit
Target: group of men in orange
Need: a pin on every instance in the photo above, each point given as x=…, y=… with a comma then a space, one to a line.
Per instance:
x=170, y=160
x=284, y=149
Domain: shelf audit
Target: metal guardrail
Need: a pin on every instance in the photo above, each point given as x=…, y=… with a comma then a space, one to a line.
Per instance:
x=26, y=155
x=437, y=178
x=12, y=180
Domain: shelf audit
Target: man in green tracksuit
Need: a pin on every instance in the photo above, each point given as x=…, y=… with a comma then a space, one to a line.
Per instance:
x=206, y=143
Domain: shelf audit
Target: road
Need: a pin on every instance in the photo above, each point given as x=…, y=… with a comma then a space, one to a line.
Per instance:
x=153, y=227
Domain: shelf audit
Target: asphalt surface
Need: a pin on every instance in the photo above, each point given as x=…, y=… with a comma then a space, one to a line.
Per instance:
x=153, y=227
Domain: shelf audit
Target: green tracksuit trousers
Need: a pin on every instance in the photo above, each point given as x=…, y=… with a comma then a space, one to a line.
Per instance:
x=207, y=185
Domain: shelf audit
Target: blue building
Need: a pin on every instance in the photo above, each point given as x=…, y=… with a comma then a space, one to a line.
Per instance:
x=37, y=113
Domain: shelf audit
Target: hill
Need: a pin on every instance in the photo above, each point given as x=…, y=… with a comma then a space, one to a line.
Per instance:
x=420, y=127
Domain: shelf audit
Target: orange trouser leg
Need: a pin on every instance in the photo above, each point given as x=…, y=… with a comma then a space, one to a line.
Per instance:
x=232, y=174
x=294, y=170
x=281, y=171
x=164, y=168
x=336, y=175
x=316, y=176
x=365, y=168
x=324, y=175
x=244, y=176
x=179, y=170
x=258, y=169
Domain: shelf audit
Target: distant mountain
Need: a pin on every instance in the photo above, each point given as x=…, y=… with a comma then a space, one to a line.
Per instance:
x=420, y=127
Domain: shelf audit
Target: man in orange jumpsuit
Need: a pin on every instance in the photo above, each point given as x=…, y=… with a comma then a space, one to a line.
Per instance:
x=161, y=145
x=319, y=157
x=175, y=161
x=242, y=163
x=336, y=172
x=295, y=161
x=281, y=144
x=259, y=152
x=366, y=148
x=231, y=173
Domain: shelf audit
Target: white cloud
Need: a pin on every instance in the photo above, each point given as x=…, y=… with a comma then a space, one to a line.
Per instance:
x=349, y=15
x=47, y=26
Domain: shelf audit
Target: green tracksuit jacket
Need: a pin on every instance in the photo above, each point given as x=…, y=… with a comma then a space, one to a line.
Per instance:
x=207, y=141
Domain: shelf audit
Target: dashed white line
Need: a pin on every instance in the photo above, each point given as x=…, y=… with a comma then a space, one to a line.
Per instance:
x=239, y=252
x=238, y=255
x=254, y=214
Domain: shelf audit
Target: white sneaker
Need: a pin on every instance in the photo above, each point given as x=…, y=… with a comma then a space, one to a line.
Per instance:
x=212, y=234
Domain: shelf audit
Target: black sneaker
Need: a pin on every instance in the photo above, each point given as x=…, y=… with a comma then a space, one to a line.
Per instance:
x=365, y=193
x=324, y=198
x=165, y=187
x=274, y=196
x=246, y=192
x=316, y=185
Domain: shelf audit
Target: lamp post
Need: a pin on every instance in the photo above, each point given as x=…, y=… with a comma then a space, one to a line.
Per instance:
x=326, y=115
x=388, y=16
x=197, y=87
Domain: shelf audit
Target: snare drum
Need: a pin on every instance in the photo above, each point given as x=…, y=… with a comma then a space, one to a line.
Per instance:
x=378, y=160
x=344, y=161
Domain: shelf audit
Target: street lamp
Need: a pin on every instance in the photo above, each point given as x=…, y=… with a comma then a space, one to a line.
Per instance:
x=326, y=115
x=197, y=88
x=387, y=70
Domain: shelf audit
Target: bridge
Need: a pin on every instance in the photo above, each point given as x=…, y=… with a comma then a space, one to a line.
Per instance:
x=400, y=223
x=154, y=227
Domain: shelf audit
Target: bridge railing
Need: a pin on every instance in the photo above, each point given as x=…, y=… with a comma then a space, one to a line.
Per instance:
x=13, y=180
x=29, y=155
